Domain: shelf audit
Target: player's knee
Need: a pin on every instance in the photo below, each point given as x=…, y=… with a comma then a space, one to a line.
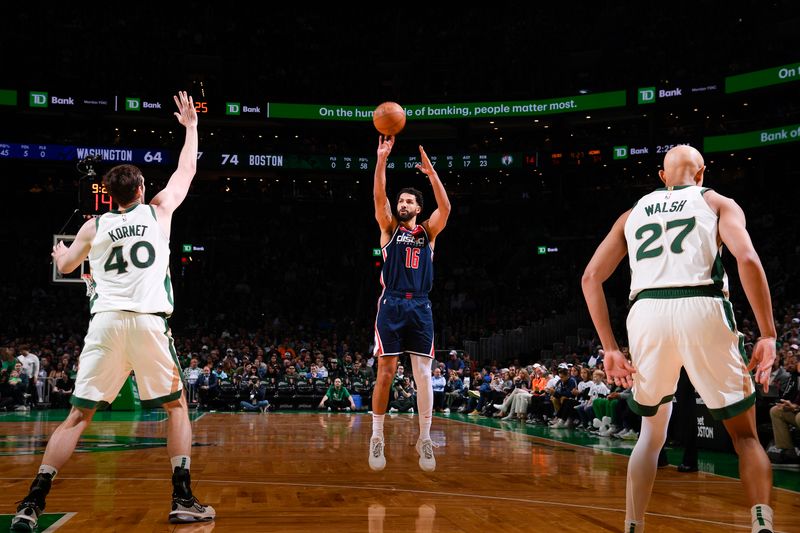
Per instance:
x=175, y=406
x=744, y=438
x=79, y=416
x=775, y=411
x=386, y=372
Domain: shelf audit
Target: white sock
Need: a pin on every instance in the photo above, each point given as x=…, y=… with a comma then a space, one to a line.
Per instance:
x=377, y=426
x=180, y=461
x=421, y=367
x=47, y=469
x=761, y=517
x=643, y=464
x=633, y=526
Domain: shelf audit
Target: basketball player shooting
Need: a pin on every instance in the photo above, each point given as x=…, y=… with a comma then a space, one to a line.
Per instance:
x=405, y=320
x=128, y=252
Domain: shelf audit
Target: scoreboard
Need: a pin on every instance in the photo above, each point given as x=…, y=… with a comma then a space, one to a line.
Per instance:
x=250, y=160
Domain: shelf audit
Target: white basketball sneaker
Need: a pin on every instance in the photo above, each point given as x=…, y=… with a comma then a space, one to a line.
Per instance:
x=427, y=461
x=377, y=461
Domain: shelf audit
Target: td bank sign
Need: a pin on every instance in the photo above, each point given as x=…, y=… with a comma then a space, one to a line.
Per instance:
x=648, y=95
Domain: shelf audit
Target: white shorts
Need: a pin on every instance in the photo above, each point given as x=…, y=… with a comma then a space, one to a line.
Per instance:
x=697, y=333
x=121, y=341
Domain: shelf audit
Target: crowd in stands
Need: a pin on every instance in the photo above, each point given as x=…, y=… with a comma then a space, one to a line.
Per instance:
x=253, y=372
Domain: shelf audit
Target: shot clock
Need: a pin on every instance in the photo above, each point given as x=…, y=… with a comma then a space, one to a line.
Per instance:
x=94, y=198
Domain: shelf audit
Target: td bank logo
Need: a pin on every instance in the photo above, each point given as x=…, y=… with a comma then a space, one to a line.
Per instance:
x=233, y=108
x=38, y=99
x=620, y=152
x=133, y=104
x=646, y=95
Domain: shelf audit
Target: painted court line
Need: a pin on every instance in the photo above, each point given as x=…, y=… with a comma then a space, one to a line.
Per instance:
x=60, y=522
x=594, y=449
x=412, y=491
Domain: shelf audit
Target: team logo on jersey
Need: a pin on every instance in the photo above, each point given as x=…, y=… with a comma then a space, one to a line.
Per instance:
x=407, y=238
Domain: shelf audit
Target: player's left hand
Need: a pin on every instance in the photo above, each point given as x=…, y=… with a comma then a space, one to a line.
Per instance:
x=762, y=359
x=187, y=115
x=426, y=167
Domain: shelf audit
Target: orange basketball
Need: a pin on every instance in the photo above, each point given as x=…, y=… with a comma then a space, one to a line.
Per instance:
x=389, y=118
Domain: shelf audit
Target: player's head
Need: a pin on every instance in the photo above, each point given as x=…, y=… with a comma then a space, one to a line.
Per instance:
x=682, y=165
x=337, y=383
x=125, y=184
x=409, y=204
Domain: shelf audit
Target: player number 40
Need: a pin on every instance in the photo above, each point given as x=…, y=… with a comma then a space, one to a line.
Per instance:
x=117, y=262
x=412, y=258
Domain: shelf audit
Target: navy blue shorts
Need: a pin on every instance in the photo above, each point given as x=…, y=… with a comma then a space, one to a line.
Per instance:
x=404, y=325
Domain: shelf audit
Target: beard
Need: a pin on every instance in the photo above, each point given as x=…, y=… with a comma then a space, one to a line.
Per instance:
x=405, y=216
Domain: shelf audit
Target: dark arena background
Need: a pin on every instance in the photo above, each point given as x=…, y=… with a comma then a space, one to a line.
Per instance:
x=544, y=123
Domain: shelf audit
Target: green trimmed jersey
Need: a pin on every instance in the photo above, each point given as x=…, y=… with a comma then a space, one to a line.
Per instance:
x=129, y=261
x=673, y=241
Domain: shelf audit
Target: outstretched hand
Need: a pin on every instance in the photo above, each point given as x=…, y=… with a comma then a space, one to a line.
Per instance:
x=187, y=115
x=385, y=144
x=762, y=359
x=619, y=369
x=425, y=166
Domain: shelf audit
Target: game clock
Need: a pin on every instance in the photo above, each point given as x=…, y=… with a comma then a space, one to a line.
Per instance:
x=95, y=199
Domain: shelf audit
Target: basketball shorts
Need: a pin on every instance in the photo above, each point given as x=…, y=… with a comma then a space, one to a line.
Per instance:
x=404, y=325
x=698, y=333
x=121, y=341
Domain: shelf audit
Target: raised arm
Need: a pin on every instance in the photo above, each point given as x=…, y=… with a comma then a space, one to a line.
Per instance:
x=68, y=258
x=733, y=232
x=168, y=200
x=438, y=220
x=383, y=211
x=604, y=262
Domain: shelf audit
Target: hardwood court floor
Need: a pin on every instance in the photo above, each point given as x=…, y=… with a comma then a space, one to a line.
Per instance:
x=308, y=472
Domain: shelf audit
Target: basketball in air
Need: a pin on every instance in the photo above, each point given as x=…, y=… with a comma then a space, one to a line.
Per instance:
x=389, y=118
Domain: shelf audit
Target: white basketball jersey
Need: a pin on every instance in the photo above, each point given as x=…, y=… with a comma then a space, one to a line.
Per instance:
x=672, y=241
x=129, y=259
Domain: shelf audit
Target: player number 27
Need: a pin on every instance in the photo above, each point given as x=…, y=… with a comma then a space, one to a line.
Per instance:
x=117, y=262
x=655, y=232
x=412, y=258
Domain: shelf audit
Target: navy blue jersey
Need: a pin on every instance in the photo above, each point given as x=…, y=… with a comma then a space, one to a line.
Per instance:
x=408, y=262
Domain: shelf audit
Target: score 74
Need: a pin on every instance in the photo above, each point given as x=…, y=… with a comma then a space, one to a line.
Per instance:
x=232, y=159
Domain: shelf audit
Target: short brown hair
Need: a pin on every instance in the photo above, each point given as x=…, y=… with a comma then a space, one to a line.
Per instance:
x=122, y=182
x=414, y=192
